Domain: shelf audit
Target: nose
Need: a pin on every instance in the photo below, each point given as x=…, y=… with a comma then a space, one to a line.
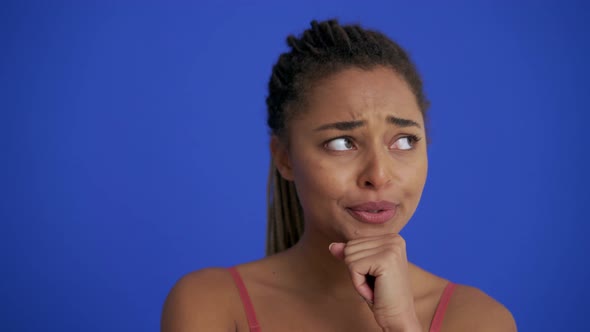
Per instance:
x=377, y=170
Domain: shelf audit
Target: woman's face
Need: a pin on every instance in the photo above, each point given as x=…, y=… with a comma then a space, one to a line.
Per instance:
x=353, y=154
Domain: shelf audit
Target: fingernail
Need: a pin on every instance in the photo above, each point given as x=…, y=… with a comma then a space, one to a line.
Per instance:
x=367, y=301
x=330, y=246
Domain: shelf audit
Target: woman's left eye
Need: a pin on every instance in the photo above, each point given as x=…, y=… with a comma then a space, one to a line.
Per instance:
x=406, y=142
x=340, y=144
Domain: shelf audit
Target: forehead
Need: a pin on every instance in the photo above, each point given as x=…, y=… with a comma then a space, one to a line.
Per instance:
x=360, y=94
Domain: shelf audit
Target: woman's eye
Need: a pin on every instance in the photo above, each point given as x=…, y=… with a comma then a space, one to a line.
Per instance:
x=405, y=143
x=340, y=144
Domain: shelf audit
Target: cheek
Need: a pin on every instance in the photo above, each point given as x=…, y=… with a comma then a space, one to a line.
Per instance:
x=414, y=180
x=318, y=181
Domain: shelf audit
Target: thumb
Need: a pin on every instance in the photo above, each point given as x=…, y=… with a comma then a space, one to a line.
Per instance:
x=337, y=249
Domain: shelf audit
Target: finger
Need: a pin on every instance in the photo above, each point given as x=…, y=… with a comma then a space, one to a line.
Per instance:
x=375, y=237
x=337, y=249
x=354, y=256
x=362, y=287
x=354, y=253
x=374, y=241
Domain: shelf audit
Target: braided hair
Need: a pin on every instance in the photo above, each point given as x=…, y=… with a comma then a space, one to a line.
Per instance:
x=320, y=51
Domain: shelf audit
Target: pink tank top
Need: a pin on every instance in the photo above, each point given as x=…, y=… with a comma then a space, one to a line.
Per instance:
x=255, y=327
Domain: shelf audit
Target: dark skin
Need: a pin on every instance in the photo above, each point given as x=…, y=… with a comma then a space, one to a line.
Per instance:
x=376, y=151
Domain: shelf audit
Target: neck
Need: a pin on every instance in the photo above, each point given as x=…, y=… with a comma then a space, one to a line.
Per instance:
x=316, y=269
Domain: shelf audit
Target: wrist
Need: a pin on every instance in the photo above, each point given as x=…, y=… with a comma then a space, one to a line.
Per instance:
x=411, y=324
x=414, y=328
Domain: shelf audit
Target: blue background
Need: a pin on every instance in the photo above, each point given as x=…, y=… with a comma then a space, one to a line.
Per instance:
x=134, y=150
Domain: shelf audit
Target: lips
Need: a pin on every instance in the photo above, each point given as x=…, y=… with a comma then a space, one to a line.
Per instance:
x=373, y=212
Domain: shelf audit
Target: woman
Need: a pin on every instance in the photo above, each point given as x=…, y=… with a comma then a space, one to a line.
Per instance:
x=347, y=115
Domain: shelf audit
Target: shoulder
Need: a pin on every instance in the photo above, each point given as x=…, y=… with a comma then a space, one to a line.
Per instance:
x=200, y=300
x=471, y=309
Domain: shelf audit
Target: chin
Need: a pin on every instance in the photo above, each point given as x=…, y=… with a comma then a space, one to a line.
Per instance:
x=361, y=231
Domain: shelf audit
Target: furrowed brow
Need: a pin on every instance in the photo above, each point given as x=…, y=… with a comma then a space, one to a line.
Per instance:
x=402, y=122
x=343, y=126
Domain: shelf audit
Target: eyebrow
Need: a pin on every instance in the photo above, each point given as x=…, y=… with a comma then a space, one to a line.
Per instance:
x=350, y=125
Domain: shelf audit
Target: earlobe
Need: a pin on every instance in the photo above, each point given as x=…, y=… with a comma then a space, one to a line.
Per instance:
x=280, y=157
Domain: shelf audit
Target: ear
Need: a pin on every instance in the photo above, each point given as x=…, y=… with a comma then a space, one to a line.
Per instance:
x=280, y=158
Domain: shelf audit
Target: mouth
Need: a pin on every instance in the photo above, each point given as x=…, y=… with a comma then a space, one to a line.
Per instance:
x=373, y=212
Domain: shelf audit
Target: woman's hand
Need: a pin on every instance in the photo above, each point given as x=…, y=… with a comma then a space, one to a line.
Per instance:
x=382, y=260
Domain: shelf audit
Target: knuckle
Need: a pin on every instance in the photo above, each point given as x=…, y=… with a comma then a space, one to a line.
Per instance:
x=399, y=239
x=391, y=250
x=353, y=266
x=348, y=260
x=395, y=251
x=399, y=243
x=348, y=250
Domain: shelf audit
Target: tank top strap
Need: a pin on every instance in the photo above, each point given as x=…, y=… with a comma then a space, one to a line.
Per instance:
x=246, y=301
x=443, y=303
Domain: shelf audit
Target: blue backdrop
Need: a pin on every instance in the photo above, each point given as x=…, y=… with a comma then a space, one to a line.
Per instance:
x=134, y=150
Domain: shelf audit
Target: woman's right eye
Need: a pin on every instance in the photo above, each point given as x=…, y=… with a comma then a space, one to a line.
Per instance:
x=340, y=144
